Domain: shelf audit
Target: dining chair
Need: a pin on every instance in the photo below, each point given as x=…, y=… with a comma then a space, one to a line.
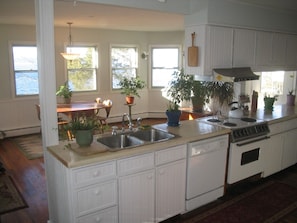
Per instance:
x=61, y=123
x=102, y=118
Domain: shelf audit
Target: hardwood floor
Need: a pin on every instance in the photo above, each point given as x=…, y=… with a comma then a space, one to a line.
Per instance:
x=30, y=179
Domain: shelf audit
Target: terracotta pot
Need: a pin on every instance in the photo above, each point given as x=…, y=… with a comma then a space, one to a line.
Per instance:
x=290, y=100
x=67, y=100
x=129, y=100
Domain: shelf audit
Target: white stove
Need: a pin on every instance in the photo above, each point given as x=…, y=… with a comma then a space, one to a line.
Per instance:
x=248, y=140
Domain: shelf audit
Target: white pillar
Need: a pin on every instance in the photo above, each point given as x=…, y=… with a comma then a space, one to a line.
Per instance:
x=44, y=12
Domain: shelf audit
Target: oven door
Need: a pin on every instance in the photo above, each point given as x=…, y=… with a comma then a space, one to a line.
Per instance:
x=246, y=159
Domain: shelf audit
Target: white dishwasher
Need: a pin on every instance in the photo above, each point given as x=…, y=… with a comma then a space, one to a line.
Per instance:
x=206, y=169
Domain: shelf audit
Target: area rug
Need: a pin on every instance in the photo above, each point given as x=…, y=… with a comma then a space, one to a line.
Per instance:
x=10, y=198
x=29, y=145
x=265, y=204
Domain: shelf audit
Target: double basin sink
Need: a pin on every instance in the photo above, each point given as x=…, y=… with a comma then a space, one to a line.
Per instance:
x=134, y=139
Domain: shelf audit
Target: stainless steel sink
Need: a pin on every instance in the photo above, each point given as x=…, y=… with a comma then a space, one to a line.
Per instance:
x=134, y=139
x=152, y=135
x=120, y=141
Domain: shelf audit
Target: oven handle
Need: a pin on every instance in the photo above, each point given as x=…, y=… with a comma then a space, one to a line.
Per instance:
x=252, y=141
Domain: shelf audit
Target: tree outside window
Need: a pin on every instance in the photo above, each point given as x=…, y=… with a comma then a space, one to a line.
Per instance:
x=82, y=73
x=25, y=70
x=124, y=63
x=165, y=61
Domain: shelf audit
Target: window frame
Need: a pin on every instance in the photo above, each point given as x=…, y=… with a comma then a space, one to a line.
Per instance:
x=96, y=68
x=162, y=46
x=11, y=44
x=136, y=59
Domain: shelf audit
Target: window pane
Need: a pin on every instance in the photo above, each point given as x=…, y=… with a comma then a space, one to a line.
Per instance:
x=164, y=62
x=25, y=70
x=82, y=72
x=123, y=63
x=272, y=83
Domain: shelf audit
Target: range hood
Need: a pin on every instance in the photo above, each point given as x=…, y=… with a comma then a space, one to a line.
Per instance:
x=235, y=74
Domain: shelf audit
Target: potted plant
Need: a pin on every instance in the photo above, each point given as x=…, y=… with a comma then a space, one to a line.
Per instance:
x=130, y=87
x=65, y=92
x=291, y=98
x=269, y=101
x=221, y=94
x=179, y=89
x=200, y=95
x=82, y=127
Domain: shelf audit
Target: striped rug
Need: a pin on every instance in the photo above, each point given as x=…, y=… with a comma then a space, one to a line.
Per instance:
x=29, y=145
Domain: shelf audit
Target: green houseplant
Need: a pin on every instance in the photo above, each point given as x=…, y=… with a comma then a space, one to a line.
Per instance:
x=65, y=92
x=82, y=127
x=130, y=87
x=269, y=101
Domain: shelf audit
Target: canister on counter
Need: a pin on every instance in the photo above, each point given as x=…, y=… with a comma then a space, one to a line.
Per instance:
x=254, y=106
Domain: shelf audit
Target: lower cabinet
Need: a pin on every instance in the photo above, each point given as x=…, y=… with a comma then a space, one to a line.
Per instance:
x=289, y=157
x=154, y=194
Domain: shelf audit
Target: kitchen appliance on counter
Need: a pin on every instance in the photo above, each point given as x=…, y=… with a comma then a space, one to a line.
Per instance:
x=206, y=169
x=248, y=140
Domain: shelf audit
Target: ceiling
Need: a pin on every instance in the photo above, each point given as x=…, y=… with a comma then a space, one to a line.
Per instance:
x=91, y=15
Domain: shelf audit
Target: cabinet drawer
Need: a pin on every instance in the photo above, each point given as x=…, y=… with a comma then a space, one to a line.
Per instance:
x=136, y=164
x=94, y=174
x=95, y=197
x=109, y=215
x=170, y=155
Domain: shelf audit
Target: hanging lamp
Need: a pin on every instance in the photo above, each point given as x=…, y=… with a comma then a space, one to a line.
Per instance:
x=70, y=55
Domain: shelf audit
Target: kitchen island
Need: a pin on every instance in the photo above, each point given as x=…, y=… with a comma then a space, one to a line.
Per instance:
x=105, y=186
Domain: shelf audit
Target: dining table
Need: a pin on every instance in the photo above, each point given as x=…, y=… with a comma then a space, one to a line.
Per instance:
x=80, y=108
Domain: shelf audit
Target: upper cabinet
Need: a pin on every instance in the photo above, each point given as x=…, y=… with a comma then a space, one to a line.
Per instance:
x=225, y=47
x=244, y=48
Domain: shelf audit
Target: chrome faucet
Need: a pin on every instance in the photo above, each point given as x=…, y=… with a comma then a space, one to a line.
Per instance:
x=130, y=125
x=138, y=121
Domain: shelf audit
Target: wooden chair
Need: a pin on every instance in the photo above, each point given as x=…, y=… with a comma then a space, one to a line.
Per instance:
x=103, y=118
x=61, y=123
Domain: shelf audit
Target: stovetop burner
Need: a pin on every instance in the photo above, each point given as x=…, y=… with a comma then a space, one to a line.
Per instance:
x=246, y=119
x=213, y=120
x=229, y=124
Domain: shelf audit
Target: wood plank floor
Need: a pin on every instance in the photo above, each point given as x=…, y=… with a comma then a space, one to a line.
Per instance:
x=30, y=179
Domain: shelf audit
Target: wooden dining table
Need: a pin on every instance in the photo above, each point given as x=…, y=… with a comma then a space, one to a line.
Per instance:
x=79, y=108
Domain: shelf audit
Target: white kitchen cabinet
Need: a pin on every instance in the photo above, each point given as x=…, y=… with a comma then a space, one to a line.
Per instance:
x=136, y=189
x=84, y=194
x=291, y=52
x=272, y=155
x=244, y=48
x=279, y=50
x=290, y=149
x=136, y=197
x=152, y=192
x=263, y=49
x=170, y=182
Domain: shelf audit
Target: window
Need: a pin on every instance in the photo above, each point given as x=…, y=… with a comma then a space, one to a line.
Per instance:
x=25, y=70
x=82, y=73
x=272, y=83
x=165, y=60
x=123, y=63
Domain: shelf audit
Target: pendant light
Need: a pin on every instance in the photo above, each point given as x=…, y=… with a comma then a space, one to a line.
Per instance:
x=70, y=55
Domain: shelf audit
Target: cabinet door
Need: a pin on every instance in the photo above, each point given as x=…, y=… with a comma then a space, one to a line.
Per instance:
x=244, y=48
x=170, y=189
x=291, y=51
x=290, y=149
x=279, y=49
x=272, y=157
x=136, y=197
x=263, y=49
x=219, y=48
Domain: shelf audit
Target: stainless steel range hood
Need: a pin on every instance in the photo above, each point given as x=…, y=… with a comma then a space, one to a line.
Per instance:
x=235, y=74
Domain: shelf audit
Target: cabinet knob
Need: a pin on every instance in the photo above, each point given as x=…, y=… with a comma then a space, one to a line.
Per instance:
x=97, y=192
x=161, y=172
x=98, y=219
x=149, y=177
x=96, y=173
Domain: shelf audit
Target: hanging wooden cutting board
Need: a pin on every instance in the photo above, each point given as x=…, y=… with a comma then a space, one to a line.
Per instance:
x=193, y=53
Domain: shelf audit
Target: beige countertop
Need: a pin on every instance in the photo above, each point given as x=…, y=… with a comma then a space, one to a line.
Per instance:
x=188, y=131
